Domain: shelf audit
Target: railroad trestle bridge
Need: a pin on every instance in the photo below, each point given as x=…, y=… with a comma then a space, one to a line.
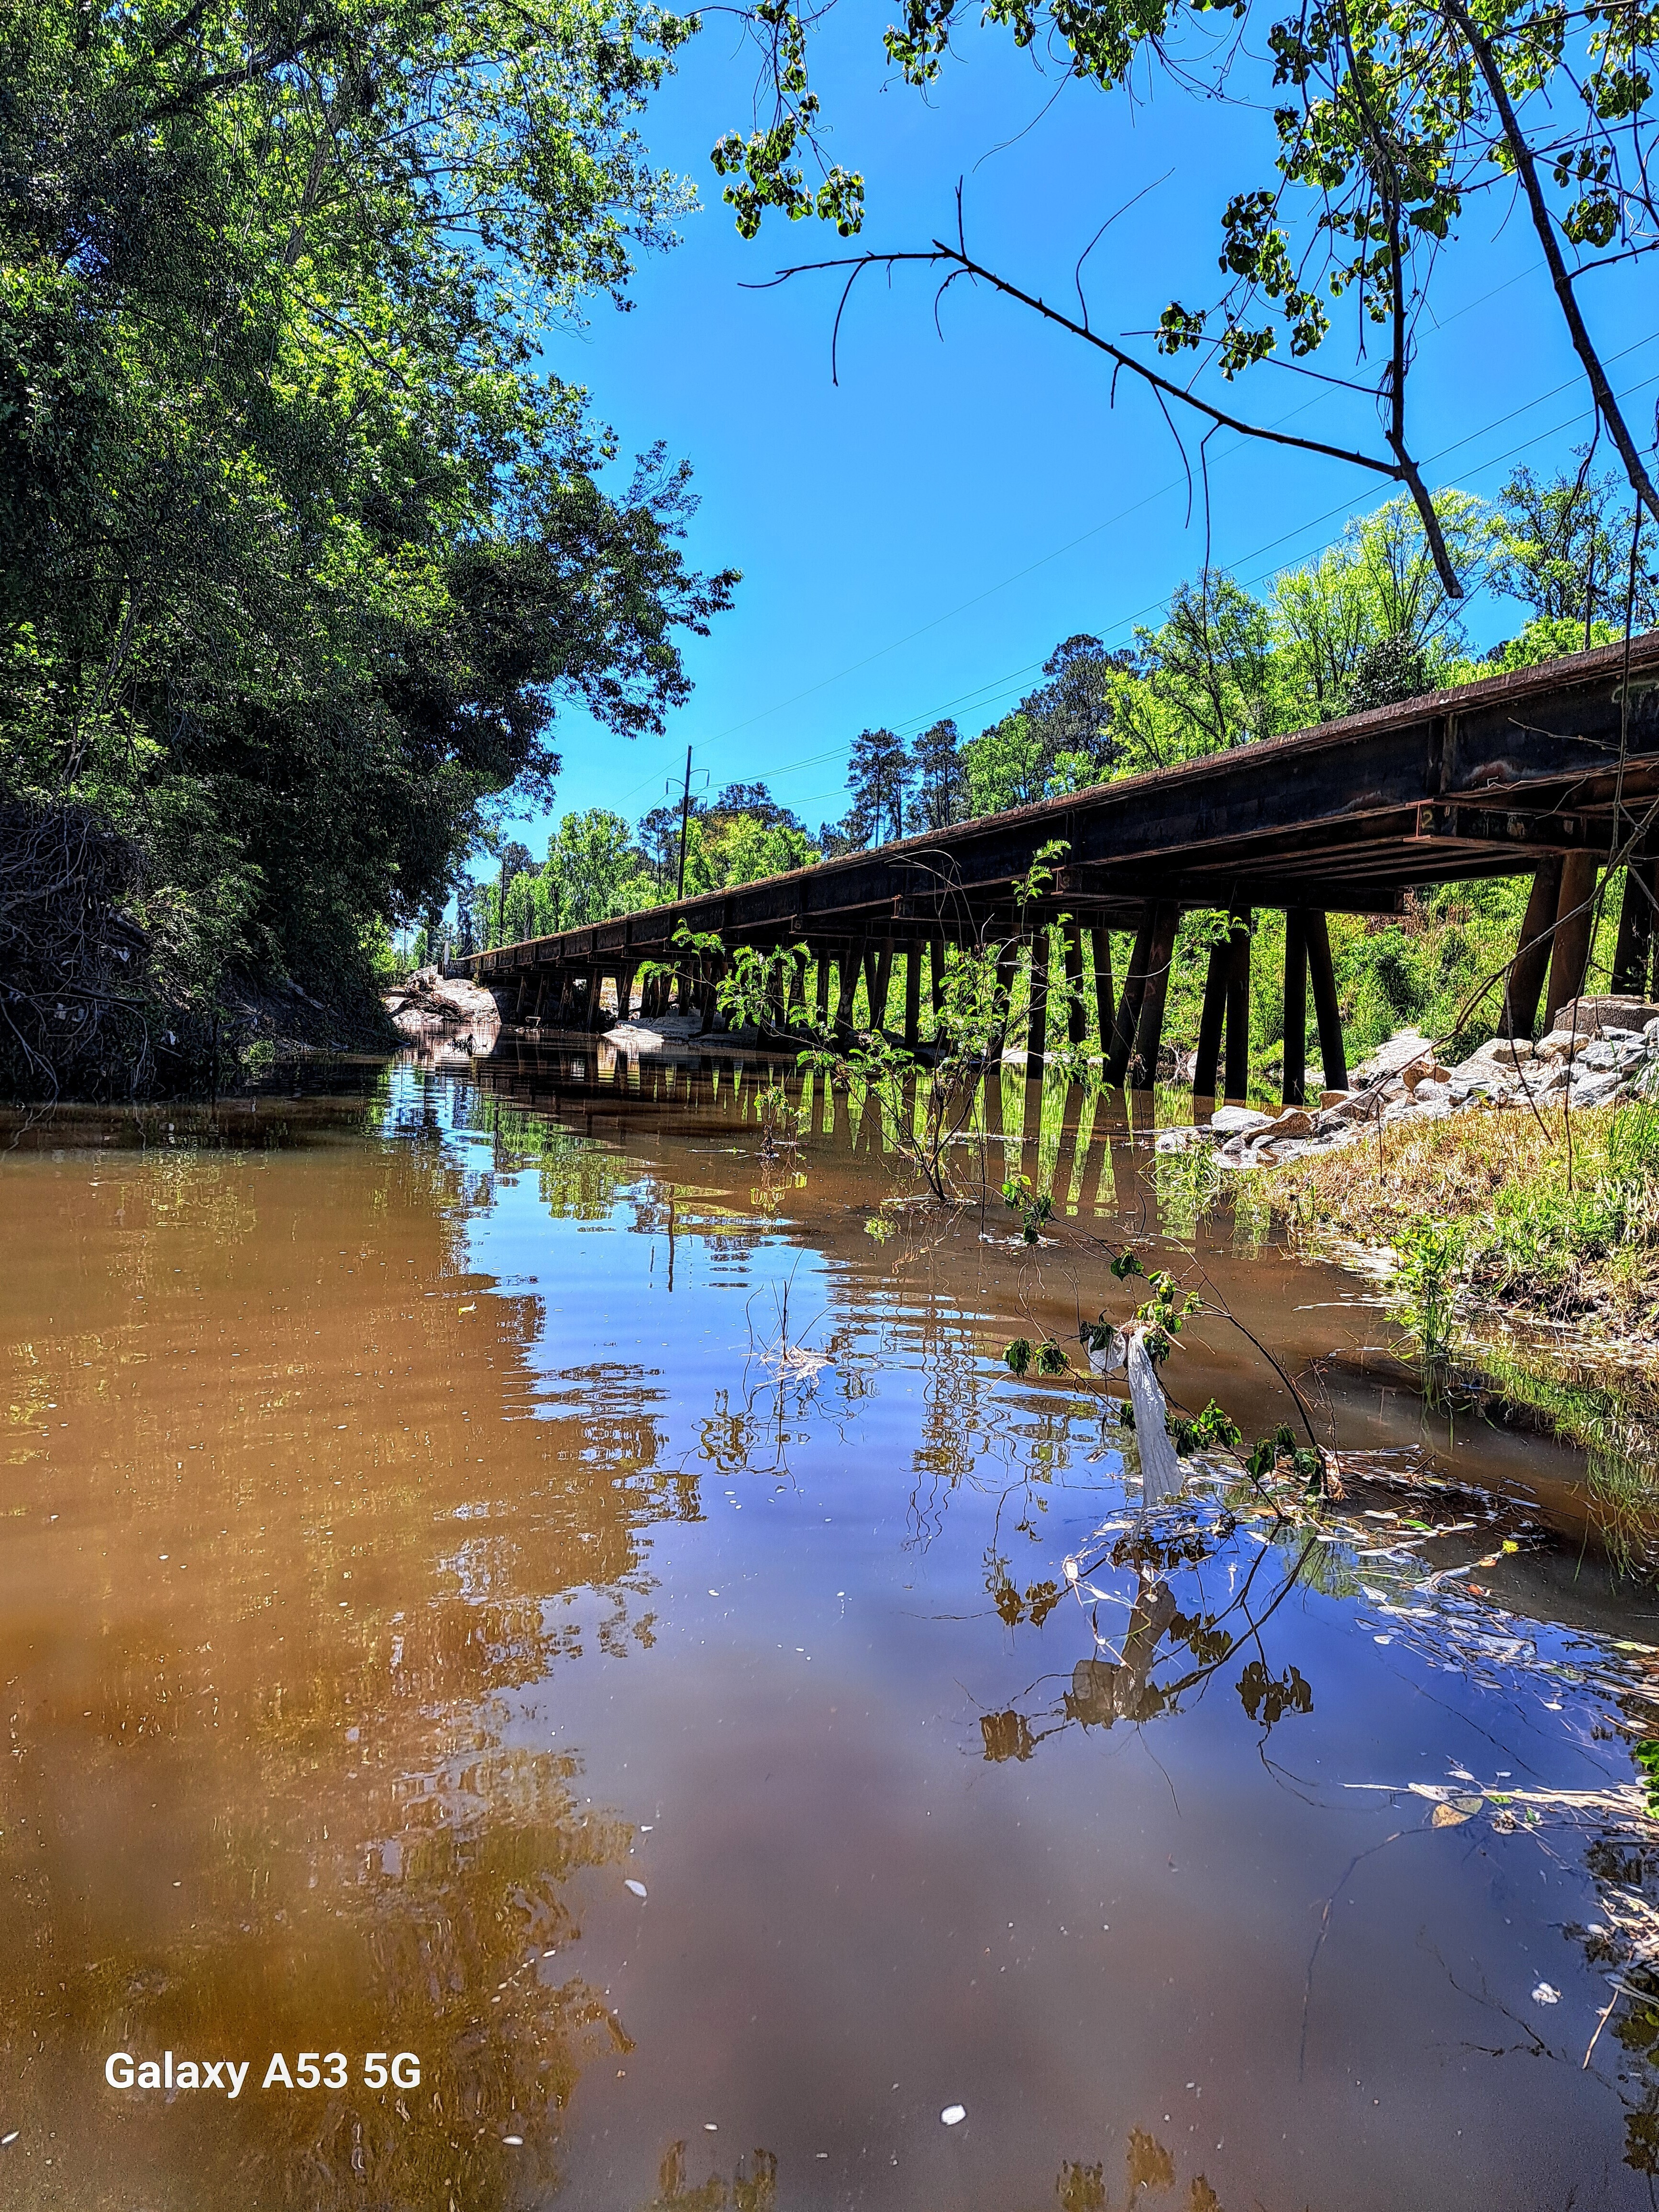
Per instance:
x=1552, y=772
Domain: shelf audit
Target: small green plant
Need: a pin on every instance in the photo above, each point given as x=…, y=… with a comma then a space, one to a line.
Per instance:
x=1034, y=1206
x=1647, y=1758
x=1213, y=1431
x=1425, y=1282
x=1048, y=1357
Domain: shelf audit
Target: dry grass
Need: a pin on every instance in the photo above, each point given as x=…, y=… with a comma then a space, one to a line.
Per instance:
x=1554, y=1226
x=1521, y=1264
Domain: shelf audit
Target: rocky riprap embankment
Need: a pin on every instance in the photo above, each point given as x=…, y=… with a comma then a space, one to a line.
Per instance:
x=1601, y=1050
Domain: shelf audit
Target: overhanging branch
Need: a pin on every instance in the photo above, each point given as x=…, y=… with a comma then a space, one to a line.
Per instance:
x=1401, y=469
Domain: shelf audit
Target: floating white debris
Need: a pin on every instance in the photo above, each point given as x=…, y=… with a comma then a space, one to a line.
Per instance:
x=512, y=2139
x=953, y=2114
x=1544, y=1995
x=638, y=1887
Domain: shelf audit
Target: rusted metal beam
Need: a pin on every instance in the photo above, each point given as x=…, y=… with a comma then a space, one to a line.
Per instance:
x=1129, y=1006
x=1037, y=1019
x=1241, y=933
x=1638, y=920
x=1208, y=1056
x=1574, y=926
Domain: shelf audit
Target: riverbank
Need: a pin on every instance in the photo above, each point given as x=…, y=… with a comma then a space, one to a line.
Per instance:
x=1522, y=1252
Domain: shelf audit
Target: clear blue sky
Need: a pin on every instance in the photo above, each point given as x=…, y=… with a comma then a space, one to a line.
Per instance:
x=915, y=539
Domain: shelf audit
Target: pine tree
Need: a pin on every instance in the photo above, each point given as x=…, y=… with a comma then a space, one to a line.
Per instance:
x=937, y=766
x=879, y=775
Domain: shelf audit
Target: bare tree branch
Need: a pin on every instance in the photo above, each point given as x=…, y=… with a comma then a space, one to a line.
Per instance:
x=1401, y=470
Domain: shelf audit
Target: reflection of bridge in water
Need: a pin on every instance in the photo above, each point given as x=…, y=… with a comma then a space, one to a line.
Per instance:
x=1081, y=1146
x=1552, y=772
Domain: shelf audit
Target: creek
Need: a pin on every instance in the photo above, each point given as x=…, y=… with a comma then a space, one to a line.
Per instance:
x=503, y=1571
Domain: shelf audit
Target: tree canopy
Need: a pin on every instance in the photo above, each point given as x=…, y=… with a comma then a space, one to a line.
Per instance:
x=301, y=547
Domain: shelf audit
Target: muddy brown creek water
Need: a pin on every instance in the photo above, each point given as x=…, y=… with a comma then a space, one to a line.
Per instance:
x=500, y=1583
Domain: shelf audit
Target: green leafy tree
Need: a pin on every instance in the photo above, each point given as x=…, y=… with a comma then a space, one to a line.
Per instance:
x=1004, y=766
x=1210, y=661
x=879, y=774
x=592, y=861
x=301, y=548
x=1563, y=548
x=1369, y=619
x=1072, y=711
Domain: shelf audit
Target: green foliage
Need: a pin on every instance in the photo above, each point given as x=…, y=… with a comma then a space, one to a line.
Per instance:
x=1004, y=766
x=302, y=549
x=1549, y=637
x=1034, y=1207
x=741, y=848
x=1164, y=1314
x=592, y=871
x=1048, y=1357
x=1213, y=1431
x=1563, y=548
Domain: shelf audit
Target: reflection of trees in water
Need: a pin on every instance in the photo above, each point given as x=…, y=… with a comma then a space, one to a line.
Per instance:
x=753, y=2186
x=1149, y=2168
x=1080, y=2185
x=374, y=1846
x=1149, y=1621
x=411, y=1893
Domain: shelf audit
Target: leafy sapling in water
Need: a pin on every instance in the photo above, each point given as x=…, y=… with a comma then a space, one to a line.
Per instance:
x=1034, y=1206
x=1048, y=1357
x=1213, y=1431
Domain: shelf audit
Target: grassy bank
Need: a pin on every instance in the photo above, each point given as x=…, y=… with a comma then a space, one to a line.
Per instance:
x=1522, y=1254
x=1552, y=1220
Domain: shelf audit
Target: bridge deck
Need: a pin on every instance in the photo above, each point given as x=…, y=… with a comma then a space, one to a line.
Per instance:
x=1480, y=781
x=1548, y=771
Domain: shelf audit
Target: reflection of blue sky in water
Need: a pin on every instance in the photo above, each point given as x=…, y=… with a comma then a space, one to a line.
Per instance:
x=902, y=1847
